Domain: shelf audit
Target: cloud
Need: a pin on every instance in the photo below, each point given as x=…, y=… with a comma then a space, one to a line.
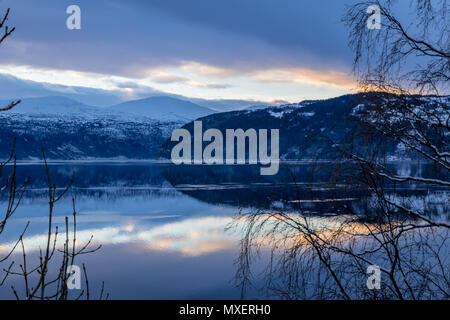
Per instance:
x=212, y=85
x=15, y=88
x=127, y=85
x=131, y=38
x=168, y=78
x=209, y=70
x=251, y=50
x=308, y=76
x=192, y=237
x=218, y=86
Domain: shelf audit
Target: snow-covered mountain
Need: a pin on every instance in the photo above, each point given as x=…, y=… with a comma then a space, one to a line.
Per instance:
x=257, y=107
x=52, y=106
x=163, y=108
x=62, y=108
x=68, y=129
x=308, y=127
x=160, y=108
x=66, y=138
x=301, y=104
x=140, y=129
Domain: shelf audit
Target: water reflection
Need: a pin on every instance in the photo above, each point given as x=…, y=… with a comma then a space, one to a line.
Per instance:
x=160, y=221
x=191, y=236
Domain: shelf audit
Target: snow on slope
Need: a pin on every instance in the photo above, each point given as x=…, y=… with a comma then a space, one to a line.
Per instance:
x=163, y=108
x=51, y=106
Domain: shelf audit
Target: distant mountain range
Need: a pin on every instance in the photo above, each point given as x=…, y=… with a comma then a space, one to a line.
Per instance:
x=53, y=106
x=16, y=88
x=288, y=105
x=157, y=108
x=68, y=129
x=163, y=108
x=141, y=129
x=308, y=129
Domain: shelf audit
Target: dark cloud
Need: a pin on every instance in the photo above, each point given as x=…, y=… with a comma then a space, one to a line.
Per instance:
x=130, y=37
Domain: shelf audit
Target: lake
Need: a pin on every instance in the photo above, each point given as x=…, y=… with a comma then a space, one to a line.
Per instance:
x=163, y=227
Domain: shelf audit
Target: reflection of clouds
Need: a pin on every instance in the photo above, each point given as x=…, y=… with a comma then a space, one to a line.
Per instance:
x=191, y=236
x=198, y=236
x=99, y=217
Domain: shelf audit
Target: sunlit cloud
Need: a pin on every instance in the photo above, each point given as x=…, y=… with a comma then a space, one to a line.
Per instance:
x=192, y=237
x=309, y=76
x=210, y=85
x=62, y=77
x=208, y=70
x=194, y=50
x=168, y=78
x=197, y=80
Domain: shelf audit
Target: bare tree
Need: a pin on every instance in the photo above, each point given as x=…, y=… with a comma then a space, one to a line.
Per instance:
x=402, y=64
x=401, y=58
x=404, y=71
x=38, y=280
x=5, y=32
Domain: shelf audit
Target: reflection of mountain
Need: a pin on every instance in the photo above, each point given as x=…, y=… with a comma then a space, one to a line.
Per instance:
x=235, y=186
x=243, y=186
x=94, y=175
x=295, y=186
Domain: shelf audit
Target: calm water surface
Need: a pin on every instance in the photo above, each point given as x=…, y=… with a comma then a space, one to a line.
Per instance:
x=162, y=227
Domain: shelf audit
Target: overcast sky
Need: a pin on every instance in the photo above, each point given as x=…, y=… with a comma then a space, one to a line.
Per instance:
x=264, y=50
